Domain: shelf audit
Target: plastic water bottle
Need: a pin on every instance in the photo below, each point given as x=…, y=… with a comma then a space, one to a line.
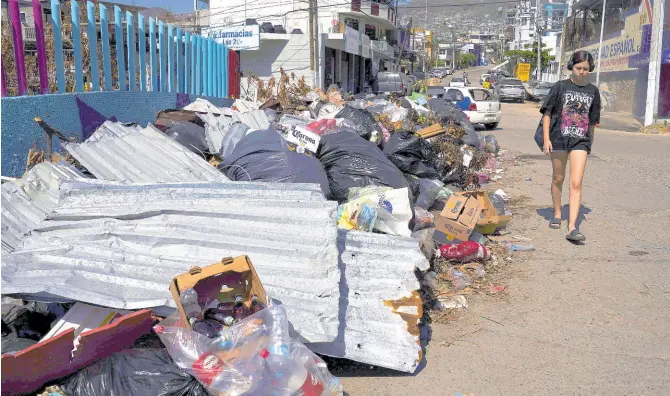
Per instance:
x=192, y=309
x=513, y=247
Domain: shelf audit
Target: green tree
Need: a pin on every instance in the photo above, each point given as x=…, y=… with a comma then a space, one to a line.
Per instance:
x=466, y=60
x=529, y=55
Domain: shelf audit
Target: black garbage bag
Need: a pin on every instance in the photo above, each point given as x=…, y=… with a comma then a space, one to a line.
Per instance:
x=351, y=161
x=189, y=135
x=134, y=372
x=411, y=154
x=364, y=121
x=414, y=185
x=25, y=324
x=265, y=156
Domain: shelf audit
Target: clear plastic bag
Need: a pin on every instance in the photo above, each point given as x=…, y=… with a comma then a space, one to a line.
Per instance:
x=428, y=190
x=491, y=144
x=255, y=356
x=422, y=219
x=393, y=208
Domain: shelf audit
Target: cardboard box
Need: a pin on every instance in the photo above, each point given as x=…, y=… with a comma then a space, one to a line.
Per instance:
x=221, y=281
x=302, y=140
x=458, y=219
x=489, y=220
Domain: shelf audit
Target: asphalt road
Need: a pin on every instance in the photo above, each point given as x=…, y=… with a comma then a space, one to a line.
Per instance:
x=574, y=320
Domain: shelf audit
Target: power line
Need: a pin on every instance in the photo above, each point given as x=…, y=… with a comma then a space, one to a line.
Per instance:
x=227, y=12
x=456, y=5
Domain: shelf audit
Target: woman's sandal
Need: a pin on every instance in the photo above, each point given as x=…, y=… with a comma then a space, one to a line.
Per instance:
x=575, y=236
x=555, y=223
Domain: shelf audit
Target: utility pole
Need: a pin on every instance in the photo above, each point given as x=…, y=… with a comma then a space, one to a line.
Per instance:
x=600, y=46
x=425, y=40
x=310, y=23
x=653, y=83
x=404, y=40
x=538, y=31
x=316, y=41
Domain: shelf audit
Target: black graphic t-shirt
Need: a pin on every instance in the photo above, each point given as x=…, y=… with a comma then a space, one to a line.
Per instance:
x=573, y=109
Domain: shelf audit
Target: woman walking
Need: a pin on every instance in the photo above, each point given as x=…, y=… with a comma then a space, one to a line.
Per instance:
x=570, y=114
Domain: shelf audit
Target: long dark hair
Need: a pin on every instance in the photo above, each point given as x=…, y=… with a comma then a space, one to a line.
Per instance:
x=579, y=57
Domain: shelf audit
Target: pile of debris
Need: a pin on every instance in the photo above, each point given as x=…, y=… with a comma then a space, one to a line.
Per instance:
x=339, y=200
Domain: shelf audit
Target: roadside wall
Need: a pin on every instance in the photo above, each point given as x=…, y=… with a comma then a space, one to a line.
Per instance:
x=292, y=55
x=78, y=115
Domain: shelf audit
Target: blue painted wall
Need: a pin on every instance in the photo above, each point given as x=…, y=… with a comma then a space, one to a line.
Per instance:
x=76, y=115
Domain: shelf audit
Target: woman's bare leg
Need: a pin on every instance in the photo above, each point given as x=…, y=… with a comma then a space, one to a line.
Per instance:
x=577, y=166
x=559, y=160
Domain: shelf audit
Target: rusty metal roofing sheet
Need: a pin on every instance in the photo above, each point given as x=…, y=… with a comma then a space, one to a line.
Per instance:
x=131, y=154
x=380, y=307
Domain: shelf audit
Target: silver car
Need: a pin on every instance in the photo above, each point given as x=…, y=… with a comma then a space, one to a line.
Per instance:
x=511, y=89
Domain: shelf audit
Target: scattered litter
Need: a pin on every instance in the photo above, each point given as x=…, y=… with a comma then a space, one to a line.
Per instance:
x=502, y=194
x=455, y=302
x=465, y=252
x=494, y=289
x=513, y=247
x=407, y=174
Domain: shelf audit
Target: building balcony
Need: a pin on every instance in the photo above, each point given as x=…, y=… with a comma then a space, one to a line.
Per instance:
x=28, y=33
x=381, y=11
x=382, y=49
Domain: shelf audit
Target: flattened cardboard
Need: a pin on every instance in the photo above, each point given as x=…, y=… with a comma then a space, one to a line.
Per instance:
x=220, y=281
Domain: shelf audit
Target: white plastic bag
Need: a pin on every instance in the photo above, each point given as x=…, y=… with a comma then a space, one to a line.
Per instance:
x=394, y=211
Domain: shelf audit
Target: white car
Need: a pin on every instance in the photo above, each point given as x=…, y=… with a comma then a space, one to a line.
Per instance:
x=479, y=104
x=457, y=82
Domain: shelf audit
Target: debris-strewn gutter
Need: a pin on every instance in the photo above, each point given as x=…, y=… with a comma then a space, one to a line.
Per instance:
x=140, y=155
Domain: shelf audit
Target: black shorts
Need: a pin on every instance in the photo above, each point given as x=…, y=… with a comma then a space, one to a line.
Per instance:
x=570, y=144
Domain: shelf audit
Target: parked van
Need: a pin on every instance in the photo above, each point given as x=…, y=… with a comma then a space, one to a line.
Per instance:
x=392, y=83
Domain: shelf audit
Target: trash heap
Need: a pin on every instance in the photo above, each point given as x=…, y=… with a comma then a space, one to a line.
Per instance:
x=340, y=200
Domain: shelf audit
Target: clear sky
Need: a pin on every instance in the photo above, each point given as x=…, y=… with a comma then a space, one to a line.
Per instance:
x=176, y=6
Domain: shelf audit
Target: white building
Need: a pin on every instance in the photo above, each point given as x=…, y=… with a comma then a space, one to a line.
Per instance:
x=355, y=39
x=522, y=18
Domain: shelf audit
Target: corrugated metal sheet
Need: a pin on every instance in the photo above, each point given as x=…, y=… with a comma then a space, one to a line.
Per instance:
x=254, y=119
x=131, y=154
x=26, y=201
x=119, y=245
x=380, y=307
